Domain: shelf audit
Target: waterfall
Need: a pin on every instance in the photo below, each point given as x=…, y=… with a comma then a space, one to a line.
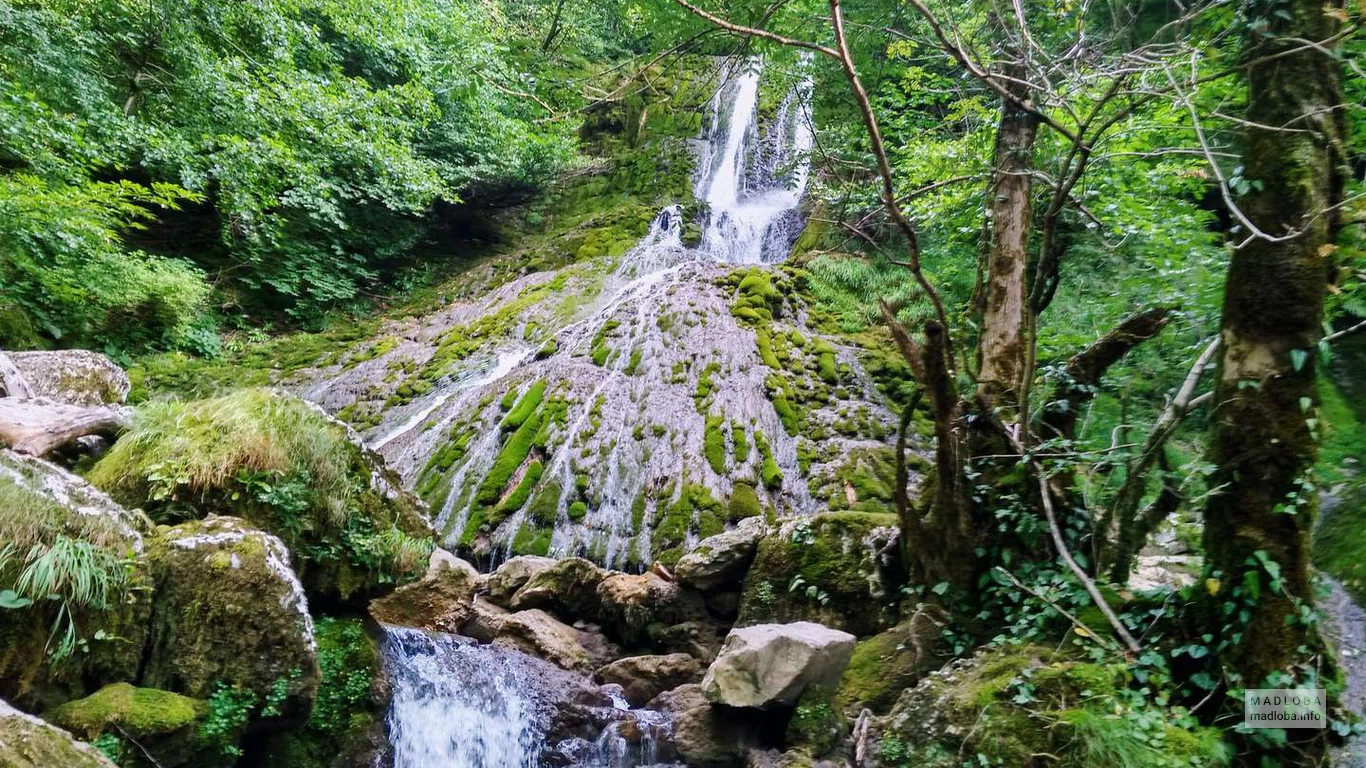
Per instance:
x=458, y=704
x=754, y=184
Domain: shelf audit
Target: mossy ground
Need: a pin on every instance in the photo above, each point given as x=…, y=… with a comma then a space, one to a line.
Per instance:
x=1012, y=705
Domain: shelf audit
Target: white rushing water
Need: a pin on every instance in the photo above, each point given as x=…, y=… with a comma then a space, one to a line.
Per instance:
x=456, y=703
x=459, y=704
x=753, y=184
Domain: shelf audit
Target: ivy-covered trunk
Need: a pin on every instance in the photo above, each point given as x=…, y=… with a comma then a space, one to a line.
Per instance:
x=1264, y=438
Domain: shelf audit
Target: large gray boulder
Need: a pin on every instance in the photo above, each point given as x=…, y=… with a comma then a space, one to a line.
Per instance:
x=28, y=742
x=513, y=575
x=723, y=558
x=73, y=376
x=772, y=664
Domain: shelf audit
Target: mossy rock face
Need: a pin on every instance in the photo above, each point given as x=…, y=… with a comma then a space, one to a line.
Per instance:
x=289, y=469
x=28, y=742
x=1010, y=705
x=838, y=569
x=889, y=662
x=346, y=726
x=229, y=611
x=46, y=511
x=818, y=725
x=164, y=724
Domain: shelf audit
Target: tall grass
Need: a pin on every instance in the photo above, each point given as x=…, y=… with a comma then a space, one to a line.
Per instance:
x=177, y=449
x=55, y=556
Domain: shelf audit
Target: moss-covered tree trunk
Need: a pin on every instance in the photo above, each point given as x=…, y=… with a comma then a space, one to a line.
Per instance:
x=1263, y=442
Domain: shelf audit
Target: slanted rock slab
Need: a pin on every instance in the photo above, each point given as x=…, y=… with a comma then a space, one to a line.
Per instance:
x=441, y=601
x=772, y=664
x=29, y=742
x=723, y=558
x=513, y=575
x=539, y=634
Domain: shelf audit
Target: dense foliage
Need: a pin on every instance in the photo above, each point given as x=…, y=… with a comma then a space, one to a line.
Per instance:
x=164, y=165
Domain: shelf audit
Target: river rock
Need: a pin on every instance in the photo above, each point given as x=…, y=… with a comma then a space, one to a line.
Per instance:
x=485, y=620
x=73, y=376
x=29, y=742
x=539, y=634
x=441, y=601
x=644, y=677
x=569, y=587
x=772, y=664
x=229, y=610
x=722, y=558
x=707, y=736
x=511, y=576
x=628, y=604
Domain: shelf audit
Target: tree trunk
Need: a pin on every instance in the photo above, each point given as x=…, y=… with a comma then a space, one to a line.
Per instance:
x=1262, y=445
x=1001, y=349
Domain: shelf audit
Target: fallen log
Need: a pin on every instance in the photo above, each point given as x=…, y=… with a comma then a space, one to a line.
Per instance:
x=38, y=426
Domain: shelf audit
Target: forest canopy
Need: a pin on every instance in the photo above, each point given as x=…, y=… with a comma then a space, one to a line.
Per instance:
x=166, y=167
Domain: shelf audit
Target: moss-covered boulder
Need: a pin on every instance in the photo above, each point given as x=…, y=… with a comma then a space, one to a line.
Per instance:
x=839, y=569
x=512, y=575
x=76, y=585
x=889, y=662
x=1009, y=706
x=721, y=559
x=28, y=742
x=286, y=467
x=230, y=614
x=164, y=725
